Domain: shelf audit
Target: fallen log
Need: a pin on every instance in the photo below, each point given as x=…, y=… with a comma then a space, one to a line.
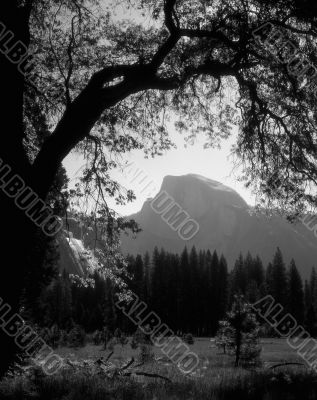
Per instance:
x=127, y=365
x=148, y=375
x=288, y=363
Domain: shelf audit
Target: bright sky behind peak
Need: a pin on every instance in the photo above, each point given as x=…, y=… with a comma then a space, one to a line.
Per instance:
x=213, y=163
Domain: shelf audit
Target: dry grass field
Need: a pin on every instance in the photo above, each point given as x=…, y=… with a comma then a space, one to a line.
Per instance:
x=273, y=351
x=217, y=379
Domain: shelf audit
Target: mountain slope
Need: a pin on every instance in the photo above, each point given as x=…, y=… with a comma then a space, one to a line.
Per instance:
x=225, y=224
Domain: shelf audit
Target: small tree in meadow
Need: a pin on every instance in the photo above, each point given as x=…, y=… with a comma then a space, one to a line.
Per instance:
x=223, y=334
x=146, y=353
x=120, y=337
x=239, y=333
x=139, y=338
x=142, y=341
x=97, y=338
x=106, y=336
x=117, y=334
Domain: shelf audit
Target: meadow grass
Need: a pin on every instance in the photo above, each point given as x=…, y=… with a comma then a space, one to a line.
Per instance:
x=273, y=351
x=219, y=379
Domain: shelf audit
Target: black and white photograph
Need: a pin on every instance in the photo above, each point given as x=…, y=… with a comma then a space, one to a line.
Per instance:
x=158, y=200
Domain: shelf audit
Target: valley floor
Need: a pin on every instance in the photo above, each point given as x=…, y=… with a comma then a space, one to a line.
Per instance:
x=274, y=351
x=216, y=380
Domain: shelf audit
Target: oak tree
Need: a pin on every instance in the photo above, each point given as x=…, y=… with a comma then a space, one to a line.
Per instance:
x=105, y=84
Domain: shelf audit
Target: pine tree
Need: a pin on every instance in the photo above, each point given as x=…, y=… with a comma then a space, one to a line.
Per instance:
x=238, y=278
x=313, y=290
x=56, y=303
x=222, y=287
x=269, y=278
x=278, y=283
x=138, y=276
x=310, y=321
x=255, y=278
x=186, y=293
x=295, y=294
x=258, y=271
x=203, y=304
x=240, y=332
x=146, y=278
x=193, y=310
x=311, y=303
x=248, y=265
x=312, y=284
x=213, y=285
x=157, y=281
x=207, y=307
x=175, y=281
x=109, y=309
x=164, y=270
x=173, y=292
x=307, y=297
x=252, y=291
x=130, y=268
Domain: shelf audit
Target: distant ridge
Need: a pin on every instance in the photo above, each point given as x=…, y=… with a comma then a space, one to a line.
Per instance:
x=225, y=224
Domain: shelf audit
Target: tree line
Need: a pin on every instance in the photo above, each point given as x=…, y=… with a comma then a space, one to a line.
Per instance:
x=190, y=292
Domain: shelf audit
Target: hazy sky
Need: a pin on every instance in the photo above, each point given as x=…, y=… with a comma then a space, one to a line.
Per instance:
x=212, y=163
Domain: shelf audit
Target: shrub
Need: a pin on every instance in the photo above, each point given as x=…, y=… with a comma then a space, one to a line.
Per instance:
x=138, y=338
x=110, y=345
x=123, y=340
x=146, y=353
x=117, y=333
x=222, y=339
x=97, y=338
x=63, y=339
x=51, y=336
x=268, y=331
x=77, y=337
x=106, y=336
x=134, y=343
x=188, y=338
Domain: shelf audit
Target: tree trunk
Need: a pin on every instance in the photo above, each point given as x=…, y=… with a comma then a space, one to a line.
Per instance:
x=238, y=345
x=17, y=241
x=17, y=233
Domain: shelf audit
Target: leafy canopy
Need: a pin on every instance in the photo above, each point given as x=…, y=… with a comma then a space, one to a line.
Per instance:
x=147, y=64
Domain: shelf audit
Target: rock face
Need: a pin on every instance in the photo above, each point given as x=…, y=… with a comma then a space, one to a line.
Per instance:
x=226, y=224
x=74, y=242
x=72, y=255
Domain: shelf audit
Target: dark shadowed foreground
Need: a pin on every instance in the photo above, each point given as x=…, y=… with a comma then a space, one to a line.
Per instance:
x=216, y=379
x=232, y=384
